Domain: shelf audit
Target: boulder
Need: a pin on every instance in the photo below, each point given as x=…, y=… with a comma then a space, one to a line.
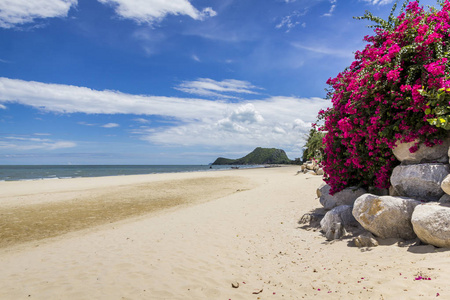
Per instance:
x=431, y=223
x=421, y=181
x=378, y=191
x=311, y=219
x=445, y=199
x=445, y=185
x=344, y=197
x=334, y=221
x=392, y=192
x=365, y=239
x=323, y=189
x=437, y=153
x=386, y=216
x=310, y=165
x=335, y=232
x=320, y=172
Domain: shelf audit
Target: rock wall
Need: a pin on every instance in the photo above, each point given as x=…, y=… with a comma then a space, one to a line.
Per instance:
x=418, y=204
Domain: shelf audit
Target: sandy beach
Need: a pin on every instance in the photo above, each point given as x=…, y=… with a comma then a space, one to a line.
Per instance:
x=193, y=236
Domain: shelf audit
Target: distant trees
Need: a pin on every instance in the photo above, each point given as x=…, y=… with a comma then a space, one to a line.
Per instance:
x=314, y=145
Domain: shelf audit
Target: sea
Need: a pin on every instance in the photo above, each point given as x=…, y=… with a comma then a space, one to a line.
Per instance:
x=47, y=172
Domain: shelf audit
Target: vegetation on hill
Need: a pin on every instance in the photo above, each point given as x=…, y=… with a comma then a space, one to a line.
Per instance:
x=259, y=156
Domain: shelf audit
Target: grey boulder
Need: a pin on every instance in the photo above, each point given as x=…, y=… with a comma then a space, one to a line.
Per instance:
x=437, y=153
x=386, y=216
x=335, y=221
x=431, y=223
x=421, y=181
x=344, y=197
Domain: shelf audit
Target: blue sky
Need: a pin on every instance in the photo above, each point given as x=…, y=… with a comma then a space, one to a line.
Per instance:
x=168, y=81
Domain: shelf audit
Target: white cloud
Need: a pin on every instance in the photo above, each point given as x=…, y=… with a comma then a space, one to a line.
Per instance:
x=195, y=57
x=72, y=99
x=150, y=11
x=26, y=143
x=2, y=106
x=17, y=12
x=211, y=88
x=141, y=120
x=325, y=50
x=330, y=12
x=379, y=2
x=291, y=21
x=272, y=121
x=111, y=125
x=276, y=121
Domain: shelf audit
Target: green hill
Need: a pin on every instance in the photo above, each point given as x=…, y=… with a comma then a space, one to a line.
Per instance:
x=259, y=156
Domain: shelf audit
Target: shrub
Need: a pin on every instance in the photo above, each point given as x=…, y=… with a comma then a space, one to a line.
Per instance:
x=314, y=146
x=397, y=89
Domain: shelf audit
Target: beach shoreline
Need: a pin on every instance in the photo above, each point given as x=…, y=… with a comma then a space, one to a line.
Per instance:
x=243, y=231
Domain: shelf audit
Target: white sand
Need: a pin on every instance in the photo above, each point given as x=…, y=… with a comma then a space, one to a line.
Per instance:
x=196, y=250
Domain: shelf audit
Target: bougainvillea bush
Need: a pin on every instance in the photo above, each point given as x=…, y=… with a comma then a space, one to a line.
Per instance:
x=397, y=89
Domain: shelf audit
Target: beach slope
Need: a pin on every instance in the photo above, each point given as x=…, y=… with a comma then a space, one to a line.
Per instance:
x=194, y=236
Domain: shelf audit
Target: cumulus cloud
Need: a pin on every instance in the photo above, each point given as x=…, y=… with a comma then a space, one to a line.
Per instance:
x=151, y=11
x=280, y=121
x=220, y=89
x=27, y=143
x=17, y=12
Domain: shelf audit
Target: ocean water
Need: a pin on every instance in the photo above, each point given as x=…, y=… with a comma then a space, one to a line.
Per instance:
x=36, y=172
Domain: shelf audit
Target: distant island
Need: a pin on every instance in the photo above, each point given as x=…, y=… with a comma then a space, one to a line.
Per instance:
x=259, y=156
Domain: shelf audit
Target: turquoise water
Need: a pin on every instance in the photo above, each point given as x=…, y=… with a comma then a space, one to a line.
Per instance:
x=14, y=173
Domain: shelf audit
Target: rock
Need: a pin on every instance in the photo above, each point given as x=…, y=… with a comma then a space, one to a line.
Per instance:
x=386, y=216
x=431, y=223
x=379, y=192
x=312, y=219
x=302, y=167
x=323, y=189
x=445, y=185
x=344, y=197
x=335, y=232
x=320, y=172
x=445, y=199
x=393, y=192
x=421, y=181
x=437, y=153
x=310, y=165
x=334, y=221
x=235, y=284
x=365, y=239
x=311, y=173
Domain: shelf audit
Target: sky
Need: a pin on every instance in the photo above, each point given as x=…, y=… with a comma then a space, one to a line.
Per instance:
x=168, y=81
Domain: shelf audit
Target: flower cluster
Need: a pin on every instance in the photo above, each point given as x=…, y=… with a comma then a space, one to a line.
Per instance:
x=382, y=98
